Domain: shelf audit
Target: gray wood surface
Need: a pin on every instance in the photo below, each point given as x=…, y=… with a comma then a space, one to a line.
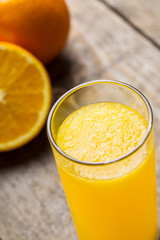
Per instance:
x=101, y=45
x=142, y=15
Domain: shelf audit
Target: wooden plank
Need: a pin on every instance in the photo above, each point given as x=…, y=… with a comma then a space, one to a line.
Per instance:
x=32, y=202
x=101, y=46
x=143, y=14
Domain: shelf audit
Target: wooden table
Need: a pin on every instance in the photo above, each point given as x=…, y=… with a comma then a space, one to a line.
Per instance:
x=109, y=39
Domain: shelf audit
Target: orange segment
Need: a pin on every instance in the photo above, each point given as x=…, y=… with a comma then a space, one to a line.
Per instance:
x=25, y=96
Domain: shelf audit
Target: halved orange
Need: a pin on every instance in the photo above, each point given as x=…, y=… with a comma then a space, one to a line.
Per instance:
x=25, y=96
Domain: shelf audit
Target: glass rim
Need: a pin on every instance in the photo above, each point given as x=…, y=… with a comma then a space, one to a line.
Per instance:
x=76, y=88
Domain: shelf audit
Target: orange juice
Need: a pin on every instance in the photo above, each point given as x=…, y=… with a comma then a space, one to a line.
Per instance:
x=115, y=201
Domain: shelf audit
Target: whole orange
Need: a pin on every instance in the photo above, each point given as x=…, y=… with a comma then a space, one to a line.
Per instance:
x=40, y=26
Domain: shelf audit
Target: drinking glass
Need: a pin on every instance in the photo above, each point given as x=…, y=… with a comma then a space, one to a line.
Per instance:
x=113, y=200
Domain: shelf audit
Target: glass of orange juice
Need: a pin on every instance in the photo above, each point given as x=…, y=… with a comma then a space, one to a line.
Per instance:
x=101, y=134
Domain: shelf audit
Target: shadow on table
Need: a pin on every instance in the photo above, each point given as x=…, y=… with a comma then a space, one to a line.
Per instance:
x=61, y=79
x=27, y=153
x=61, y=73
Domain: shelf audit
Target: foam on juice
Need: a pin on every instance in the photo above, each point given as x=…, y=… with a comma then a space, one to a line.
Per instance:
x=101, y=132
